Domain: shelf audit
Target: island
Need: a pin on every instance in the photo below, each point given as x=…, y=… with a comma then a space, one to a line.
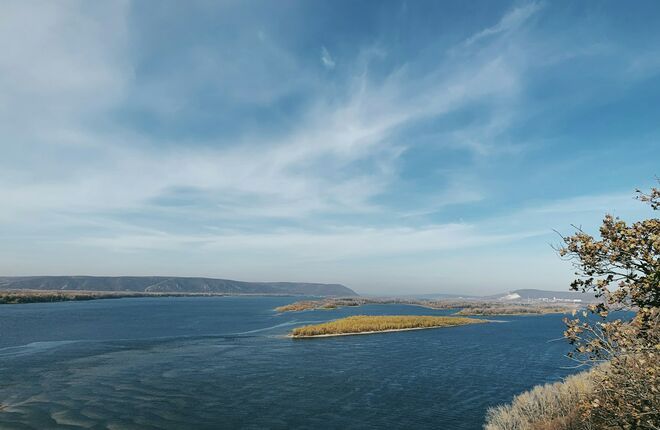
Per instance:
x=308, y=305
x=490, y=310
x=369, y=324
x=340, y=302
x=472, y=307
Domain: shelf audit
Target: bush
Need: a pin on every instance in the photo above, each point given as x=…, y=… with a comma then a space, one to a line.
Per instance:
x=549, y=406
x=627, y=395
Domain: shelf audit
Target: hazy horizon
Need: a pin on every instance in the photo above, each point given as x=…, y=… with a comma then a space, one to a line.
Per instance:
x=372, y=294
x=393, y=147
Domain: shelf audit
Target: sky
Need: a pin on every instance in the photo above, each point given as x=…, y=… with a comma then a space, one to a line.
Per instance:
x=396, y=147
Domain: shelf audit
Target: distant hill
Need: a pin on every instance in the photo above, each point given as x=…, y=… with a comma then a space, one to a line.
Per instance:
x=163, y=284
x=535, y=295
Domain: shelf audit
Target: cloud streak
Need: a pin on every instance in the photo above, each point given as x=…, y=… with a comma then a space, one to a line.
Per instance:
x=509, y=22
x=326, y=59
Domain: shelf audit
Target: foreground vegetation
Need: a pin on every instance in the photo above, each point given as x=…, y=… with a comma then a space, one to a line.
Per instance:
x=372, y=324
x=41, y=296
x=623, y=390
x=607, y=397
x=545, y=407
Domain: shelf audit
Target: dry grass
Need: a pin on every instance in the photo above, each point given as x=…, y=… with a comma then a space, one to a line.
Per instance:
x=330, y=303
x=305, y=305
x=517, y=310
x=368, y=323
x=545, y=407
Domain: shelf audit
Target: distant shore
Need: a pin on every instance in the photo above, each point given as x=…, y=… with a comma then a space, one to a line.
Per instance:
x=15, y=297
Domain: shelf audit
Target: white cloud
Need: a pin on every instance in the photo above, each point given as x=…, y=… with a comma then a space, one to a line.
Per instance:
x=326, y=59
x=308, y=170
x=325, y=245
x=510, y=21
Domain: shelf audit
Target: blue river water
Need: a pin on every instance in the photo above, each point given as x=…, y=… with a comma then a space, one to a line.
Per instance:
x=224, y=363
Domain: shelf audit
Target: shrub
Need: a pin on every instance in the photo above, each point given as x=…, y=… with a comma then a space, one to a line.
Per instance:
x=550, y=406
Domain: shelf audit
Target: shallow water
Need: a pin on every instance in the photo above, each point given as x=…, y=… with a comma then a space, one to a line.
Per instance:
x=223, y=363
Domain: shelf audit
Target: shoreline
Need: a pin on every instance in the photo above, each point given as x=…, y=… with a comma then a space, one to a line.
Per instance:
x=25, y=297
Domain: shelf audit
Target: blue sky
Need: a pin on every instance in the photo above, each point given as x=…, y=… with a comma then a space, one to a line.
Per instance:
x=393, y=146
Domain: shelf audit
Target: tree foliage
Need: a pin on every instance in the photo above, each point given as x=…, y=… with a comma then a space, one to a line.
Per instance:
x=622, y=268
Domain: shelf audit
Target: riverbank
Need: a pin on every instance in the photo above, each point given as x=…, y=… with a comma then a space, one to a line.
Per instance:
x=13, y=297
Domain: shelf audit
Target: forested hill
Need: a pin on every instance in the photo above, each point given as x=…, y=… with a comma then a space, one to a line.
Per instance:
x=170, y=284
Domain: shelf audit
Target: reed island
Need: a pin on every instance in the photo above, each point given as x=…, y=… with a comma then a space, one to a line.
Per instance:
x=473, y=307
x=368, y=324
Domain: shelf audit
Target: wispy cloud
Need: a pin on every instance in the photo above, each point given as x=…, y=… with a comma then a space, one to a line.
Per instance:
x=326, y=59
x=330, y=245
x=510, y=21
x=310, y=169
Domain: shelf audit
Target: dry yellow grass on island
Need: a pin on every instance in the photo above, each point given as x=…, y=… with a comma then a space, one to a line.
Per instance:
x=492, y=310
x=306, y=305
x=363, y=324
